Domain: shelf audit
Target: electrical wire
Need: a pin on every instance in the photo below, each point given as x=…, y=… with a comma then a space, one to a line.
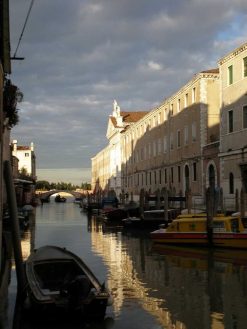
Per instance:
x=24, y=26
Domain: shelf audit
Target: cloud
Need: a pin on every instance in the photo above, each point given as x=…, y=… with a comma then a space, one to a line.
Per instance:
x=81, y=55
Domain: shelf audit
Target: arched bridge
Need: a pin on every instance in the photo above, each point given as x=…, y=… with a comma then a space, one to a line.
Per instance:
x=46, y=194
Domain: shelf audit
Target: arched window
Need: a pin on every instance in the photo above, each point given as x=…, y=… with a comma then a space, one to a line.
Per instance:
x=231, y=183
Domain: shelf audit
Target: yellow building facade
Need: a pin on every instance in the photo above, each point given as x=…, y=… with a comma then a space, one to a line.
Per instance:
x=193, y=138
x=233, y=129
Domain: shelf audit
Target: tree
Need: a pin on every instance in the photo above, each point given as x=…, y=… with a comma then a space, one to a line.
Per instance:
x=42, y=185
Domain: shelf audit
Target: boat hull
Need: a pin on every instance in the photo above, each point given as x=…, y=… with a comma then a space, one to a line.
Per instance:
x=59, y=281
x=226, y=240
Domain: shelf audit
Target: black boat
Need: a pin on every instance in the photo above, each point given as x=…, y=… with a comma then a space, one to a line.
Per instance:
x=59, y=198
x=57, y=279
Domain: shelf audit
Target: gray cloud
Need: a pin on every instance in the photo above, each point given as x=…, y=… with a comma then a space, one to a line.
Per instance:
x=80, y=55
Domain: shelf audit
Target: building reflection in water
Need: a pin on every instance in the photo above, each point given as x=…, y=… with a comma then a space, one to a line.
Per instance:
x=183, y=288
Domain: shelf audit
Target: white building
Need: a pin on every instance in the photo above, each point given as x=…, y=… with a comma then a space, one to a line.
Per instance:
x=26, y=157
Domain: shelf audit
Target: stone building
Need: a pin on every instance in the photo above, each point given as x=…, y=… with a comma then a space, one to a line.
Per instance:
x=195, y=138
x=106, y=165
x=233, y=128
x=26, y=156
x=5, y=69
x=165, y=148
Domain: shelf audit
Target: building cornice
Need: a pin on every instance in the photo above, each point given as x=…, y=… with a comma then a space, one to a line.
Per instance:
x=233, y=54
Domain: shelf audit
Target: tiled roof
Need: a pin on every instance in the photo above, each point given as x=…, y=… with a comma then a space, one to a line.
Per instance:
x=133, y=116
x=23, y=148
x=129, y=117
x=216, y=70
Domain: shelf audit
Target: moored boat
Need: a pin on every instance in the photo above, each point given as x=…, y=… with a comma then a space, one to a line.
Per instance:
x=151, y=218
x=59, y=198
x=57, y=279
x=228, y=232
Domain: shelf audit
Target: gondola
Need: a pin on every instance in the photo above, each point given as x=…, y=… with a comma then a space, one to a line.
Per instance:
x=57, y=279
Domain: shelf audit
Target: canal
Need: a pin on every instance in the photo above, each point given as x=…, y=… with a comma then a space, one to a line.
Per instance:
x=152, y=287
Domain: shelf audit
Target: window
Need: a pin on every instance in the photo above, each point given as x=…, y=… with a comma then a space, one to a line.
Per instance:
x=230, y=121
x=149, y=150
x=171, y=109
x=178, y=138
x=165, y=114
x=159, y=118
x=159, y=145
x=230, y=75
x=154, y=121
x=194, y=171
x=26, y=155
x=171, y=141
x=179, y=105
x=194, y=95
x=165, y=176
x=186, y=100
x=160, y=176
x=172, y=174
x=193, y=132
x=154, y=148
x=179, y=174
x=245, y=66
x=165, y=144
x=186, y=135
x=245, y=116
x=231, y=183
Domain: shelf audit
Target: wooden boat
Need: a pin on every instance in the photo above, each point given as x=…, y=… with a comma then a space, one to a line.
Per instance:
x=59, y=198
x=57, y=279
x=151, y=218
x=228, y=231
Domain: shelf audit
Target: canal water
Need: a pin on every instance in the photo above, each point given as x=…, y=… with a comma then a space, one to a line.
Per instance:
x=152, y=287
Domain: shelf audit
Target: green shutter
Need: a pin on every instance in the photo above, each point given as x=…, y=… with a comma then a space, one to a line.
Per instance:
x=230, y=75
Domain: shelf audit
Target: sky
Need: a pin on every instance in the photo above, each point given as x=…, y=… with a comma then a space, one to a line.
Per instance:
x=80, y=55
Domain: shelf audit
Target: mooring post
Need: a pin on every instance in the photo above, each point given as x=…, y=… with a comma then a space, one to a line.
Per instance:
x=209, y=207
x=166, y=205
x=15, y=232
x=141, y=202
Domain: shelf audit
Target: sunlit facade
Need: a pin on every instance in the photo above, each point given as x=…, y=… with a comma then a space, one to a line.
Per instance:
x=26, y=156
x=195, y=138
x=162, y=147
x=165, y=148
x=233, y=129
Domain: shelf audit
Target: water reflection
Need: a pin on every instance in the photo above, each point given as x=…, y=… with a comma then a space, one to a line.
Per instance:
x=181, y=288
x=153, y=286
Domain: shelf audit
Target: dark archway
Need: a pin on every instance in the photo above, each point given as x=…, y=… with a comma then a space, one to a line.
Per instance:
x=211, y=176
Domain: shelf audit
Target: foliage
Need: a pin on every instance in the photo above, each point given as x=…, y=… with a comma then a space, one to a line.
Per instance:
x=42, y=185
x=11, y=96
x=45, y=185
x=23, y=174
x=86, y=186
